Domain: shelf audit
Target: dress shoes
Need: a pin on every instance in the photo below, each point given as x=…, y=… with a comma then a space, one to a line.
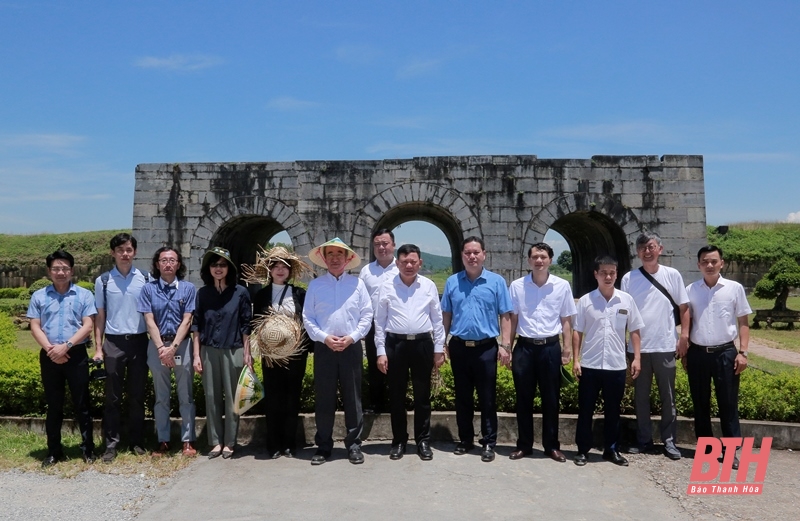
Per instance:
x=487, y=454
x=109, y=455
x=51, y=460
x=355, y=456
x=162, y=450
x=615, y=458
x=320, y=457
x=138, y=450
x=190, y=451
x=580, y=459
x=641, y=449
x=397, y=451
x=424, y=451
x=671, y=451
x=275, y=455
x=734, y=465
x=288, y=453
x=227, y=453
x=463, y=448
x=88, y=456
x=556, y=455
x=215, y=453
x=519, y=454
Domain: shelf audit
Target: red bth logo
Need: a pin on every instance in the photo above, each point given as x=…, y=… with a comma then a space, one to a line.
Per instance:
x=718, y=478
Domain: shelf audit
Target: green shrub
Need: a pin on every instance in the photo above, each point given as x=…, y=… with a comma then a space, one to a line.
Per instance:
x=13, y=306
x=37, y=285
x=20, y=293
x=86, y=285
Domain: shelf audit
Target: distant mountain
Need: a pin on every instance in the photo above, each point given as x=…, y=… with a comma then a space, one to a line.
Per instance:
x=432, y=263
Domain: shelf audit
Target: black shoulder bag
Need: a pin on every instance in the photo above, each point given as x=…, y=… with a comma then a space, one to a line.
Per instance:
x=676, y=310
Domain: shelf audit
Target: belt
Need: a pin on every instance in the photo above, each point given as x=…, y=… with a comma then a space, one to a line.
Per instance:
x=538, y=341
x=715, y=349
x=475, y=343
x=167, y=338
x=128, y=336
x=416, y=336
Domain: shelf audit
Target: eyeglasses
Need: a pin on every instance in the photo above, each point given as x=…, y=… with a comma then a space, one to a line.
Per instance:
x=60, y=270
x=649, y=247
x=168, y=261
x=220, y=265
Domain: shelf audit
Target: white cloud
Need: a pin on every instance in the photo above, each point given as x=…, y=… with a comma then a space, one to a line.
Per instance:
x=418, y=68
x=179, y=62
x=793, y=217
x=54, y=143
x=290, y=103
x=357, y=54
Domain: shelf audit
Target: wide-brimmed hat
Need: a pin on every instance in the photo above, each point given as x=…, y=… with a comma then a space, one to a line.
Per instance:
x=317, y=255
x=276, y=338
x=219, y=252
x=259, y=272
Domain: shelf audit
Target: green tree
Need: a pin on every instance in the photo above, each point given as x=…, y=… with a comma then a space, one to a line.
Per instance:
x=782, y=276
x=565, y=260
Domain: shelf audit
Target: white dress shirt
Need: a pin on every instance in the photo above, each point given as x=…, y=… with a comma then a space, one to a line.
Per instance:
x=374, y=276
x=715, y=311
x=603, y=325
x=540, y=309
x=338, y=307
x=408, y=310
x=658, y=334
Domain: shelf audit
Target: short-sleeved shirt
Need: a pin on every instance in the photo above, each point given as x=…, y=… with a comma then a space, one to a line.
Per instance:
x=339, y=307
x=374, y=276
x=603, y=323
x=122, y=317
x=475, y=305
x=540, y=309
x=61, y=316
x=222, y=319
x=658, y=334
x=168, y=303
x=715, y=311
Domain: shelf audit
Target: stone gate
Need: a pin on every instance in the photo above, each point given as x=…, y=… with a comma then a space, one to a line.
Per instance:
x=598, y=205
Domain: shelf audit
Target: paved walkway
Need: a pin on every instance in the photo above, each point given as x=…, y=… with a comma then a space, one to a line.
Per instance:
x=771, y=353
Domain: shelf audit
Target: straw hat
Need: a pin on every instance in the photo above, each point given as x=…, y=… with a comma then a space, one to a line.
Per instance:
x=259, y=273
x=317, y=255
x=219, y=252
x=276, y=338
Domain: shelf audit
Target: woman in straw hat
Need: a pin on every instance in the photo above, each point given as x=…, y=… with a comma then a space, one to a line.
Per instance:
x=283, y=379
x=221, y=346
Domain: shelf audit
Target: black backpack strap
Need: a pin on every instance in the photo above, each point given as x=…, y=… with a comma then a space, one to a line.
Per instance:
x=104, y=278
x=676, y=310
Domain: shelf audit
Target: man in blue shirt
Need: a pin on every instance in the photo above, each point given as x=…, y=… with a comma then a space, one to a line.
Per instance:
x=471, y=303
x=168, y=303
x=61, y=322
x=125, y=346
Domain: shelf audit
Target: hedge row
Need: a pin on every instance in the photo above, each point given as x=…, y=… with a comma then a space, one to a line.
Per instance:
x=762, y=396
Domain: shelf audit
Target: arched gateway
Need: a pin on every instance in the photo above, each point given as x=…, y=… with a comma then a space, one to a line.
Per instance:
x=599, y=205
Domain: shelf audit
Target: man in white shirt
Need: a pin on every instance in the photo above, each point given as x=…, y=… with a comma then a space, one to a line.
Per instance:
x=543, y=309
x=409, y=336
x=661, y=344
x=337, y=314
x=719, y=311
x=599, y=358
x=374, y=274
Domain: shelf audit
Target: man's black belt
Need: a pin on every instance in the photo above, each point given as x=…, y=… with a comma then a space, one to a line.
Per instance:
x=475, y=343
x=129, y=336
x=416, y=336
x=538, y=341
x=715, y=349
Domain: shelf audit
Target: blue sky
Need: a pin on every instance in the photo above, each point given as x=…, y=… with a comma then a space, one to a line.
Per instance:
x=91, y=89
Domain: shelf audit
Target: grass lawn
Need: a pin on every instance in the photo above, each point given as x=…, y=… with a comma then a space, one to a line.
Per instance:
x=777, y=337
x=771, y=366
x=25, y=341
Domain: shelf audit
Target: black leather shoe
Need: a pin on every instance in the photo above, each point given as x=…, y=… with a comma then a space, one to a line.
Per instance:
x=615, y=458
x=138, y=450
x=109, y=455
x=397, y=451
x=519, y=454
x=320, y=457
x=463, y=448
x=424, y=451
x=288, y=453
x=51, y=460
x=88, y=457
x=487, y=454
x=355, y=456
x=641, y=449
x=580, y=459
x=275, y=455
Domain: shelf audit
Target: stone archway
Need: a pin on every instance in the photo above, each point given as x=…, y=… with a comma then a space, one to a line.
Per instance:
x=588, y=233
x=241, y=224
x=435, y=204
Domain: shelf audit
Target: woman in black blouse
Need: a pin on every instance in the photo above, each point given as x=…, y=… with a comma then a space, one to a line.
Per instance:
x=283, y=384
x=221, y=330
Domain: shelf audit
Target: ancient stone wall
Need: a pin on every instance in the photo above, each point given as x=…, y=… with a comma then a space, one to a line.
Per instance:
x=599, y=205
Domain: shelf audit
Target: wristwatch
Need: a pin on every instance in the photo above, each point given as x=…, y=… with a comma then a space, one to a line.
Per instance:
x=506, y=347
x=743, y=353
x=69, y=344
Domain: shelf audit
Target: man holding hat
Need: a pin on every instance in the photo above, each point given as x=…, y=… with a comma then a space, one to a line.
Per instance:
x=337, y=315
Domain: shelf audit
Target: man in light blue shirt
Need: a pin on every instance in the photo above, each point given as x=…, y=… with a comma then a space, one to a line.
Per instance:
x=61, y=323
x=472, y=301
x=124, y=348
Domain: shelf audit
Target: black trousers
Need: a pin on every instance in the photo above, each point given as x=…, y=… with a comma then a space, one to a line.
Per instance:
x=342, y=369
x=126, y=365
x=537, y=365
x=376, y=379
x=702, y=368
x=415, y=356
x=592, y=383
x=282, y=389
x=475, y=369
x=74, y=373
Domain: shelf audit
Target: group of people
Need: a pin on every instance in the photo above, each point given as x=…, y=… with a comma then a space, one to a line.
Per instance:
x=159, y=321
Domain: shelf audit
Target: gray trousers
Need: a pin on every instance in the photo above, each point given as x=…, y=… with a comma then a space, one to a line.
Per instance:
x=662, y=365
x=184, y=374
x=221, y=370
x=344, y=368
